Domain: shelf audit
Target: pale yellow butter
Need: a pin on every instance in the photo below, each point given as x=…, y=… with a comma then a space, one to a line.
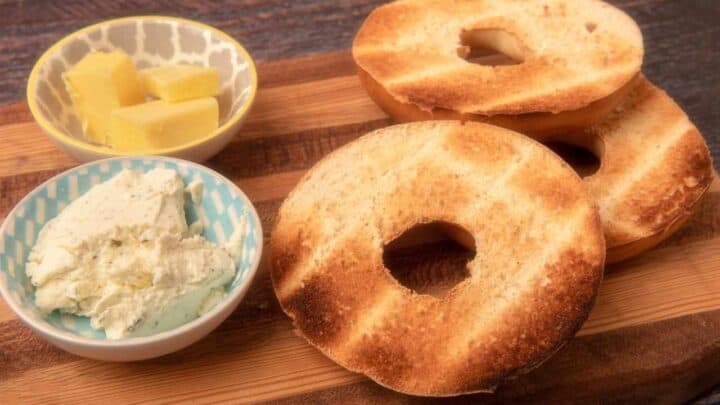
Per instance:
x=98, y=84
x=161, y=124
x=180, y=82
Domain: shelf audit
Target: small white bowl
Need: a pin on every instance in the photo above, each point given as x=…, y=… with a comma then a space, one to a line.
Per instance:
x=224, y=206
x=150, y=41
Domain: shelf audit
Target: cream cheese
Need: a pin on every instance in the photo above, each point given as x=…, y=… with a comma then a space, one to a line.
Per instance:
x=123, y=255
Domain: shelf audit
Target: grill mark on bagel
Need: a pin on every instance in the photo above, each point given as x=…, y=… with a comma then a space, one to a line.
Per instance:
x=378, y=311
x=550, y=196
x=521, y=286
x=581, y=212
x=428, y=70
x=586, y=86
x=292, y=278
x=685, y=176
x=489, y=197
x=336, y=292
x=398, y=342
x=427, y=31
x=532, y=346
x=401, y=85
x=442, y=368
x=301, y=271
x=655, y=167
x=399, y=67
x=620, y=230
x=608, y=200
x=366, y=323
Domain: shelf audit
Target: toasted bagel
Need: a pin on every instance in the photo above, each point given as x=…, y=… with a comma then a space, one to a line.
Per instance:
x=578, y=58
x=654, y=169
x=540, y=126
x=539, y=259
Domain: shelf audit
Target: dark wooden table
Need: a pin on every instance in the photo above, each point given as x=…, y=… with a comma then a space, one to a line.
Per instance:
x=682, y=40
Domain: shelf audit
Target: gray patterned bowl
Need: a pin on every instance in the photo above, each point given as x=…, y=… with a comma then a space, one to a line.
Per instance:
x=150, y=41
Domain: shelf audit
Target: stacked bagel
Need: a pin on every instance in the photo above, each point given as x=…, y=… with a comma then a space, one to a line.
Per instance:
x=469, y=154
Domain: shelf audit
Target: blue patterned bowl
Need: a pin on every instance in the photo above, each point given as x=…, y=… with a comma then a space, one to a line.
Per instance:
x=224, y=206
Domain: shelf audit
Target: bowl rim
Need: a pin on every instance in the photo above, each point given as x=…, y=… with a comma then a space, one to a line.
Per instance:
x=61, y=136
x=68, y=337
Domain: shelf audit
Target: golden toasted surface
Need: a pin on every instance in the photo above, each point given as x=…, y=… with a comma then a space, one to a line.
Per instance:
x=539, y=259
x=655, y=167
x=539, y=126
x=574, y=52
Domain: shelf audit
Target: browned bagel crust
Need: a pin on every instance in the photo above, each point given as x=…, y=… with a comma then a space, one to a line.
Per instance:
x=668, y=186
x=532, y=283
x=573, y=53
x=655, y=168
x=538, y=125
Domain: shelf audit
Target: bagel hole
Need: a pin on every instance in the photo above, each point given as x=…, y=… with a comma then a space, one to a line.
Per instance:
x=582, y=159
x=430, y=258
x=490, y=47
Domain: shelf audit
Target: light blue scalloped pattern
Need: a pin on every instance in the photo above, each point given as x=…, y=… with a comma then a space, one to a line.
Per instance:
x=223, y=207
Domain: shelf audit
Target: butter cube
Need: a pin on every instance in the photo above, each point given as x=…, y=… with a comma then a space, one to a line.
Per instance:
x=160, y=124
x=180, y=82
x=98, y=84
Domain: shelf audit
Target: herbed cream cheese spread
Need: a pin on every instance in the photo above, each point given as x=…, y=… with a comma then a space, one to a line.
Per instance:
x=123, y=255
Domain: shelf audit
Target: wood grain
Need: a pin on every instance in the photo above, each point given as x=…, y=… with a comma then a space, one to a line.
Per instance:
x=643, y=380
x=654, y=334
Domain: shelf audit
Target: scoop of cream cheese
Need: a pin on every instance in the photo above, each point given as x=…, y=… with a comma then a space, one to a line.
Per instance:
x=122, y=255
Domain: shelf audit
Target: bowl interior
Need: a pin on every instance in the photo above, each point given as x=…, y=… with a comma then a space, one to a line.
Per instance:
x=150, y=41
x=224, y=208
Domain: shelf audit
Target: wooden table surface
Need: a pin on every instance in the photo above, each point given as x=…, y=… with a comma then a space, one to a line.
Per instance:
x=681, y=39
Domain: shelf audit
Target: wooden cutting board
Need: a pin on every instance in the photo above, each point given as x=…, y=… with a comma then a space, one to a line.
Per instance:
x=653, y=335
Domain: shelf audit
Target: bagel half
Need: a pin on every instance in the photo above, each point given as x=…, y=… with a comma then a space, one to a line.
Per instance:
x=579, y=58
x=654, y=169
x=539, y=260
